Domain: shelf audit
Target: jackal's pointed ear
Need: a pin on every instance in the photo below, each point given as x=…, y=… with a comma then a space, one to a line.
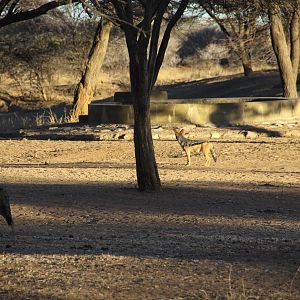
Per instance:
x=181, y=131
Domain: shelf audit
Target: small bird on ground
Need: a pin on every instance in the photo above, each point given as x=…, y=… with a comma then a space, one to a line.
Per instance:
x=5, y=208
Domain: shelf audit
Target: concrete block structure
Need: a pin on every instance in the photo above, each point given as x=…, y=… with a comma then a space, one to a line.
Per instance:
x=217, y=111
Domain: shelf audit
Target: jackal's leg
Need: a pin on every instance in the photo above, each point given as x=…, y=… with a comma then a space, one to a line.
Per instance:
x=208, y=161
x=188, y=156
x=206, y=155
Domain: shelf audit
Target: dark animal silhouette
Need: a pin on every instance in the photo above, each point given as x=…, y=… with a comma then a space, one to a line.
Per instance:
x=5, y=207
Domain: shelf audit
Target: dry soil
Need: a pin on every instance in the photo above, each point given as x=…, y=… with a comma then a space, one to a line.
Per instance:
x=83, y=231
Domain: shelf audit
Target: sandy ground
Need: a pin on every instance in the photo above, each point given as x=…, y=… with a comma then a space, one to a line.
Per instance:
x=83, y=231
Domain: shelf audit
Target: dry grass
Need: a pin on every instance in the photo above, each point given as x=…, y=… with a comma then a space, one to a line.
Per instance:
x=169, y=75
x=49, y=117
x=22, y=120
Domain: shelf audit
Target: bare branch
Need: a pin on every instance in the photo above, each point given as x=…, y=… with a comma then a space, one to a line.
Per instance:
x=14, y=17
x=165, y=40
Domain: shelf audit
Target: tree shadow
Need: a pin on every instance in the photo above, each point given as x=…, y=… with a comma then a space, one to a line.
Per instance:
x=261, y=84
x=225, y=223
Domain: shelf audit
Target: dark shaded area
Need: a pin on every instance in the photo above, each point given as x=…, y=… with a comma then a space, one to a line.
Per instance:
x=117, y=165
x=260, y=84
x=198, y=40
x=234, y=223
x=21, y=295
x=269, y=132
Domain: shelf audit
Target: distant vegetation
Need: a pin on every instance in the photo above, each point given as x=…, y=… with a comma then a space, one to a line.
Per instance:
x=42, y=59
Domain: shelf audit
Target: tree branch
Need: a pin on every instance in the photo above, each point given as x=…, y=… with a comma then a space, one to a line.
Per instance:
x=12, y=17
x=166, y=38
x=3, y=4
x=154, y=39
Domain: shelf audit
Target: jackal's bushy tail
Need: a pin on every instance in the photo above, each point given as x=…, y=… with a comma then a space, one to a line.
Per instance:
x=213, y=153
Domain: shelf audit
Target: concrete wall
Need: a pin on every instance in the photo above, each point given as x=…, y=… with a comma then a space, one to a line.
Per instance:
x=200, y=112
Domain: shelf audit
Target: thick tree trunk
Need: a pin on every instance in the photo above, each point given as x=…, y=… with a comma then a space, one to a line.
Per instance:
x=85, y=89
x=287, y=73
x=243, y=53
x=146, y=167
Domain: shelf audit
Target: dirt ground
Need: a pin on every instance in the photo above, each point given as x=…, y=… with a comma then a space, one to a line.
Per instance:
x=83, y=231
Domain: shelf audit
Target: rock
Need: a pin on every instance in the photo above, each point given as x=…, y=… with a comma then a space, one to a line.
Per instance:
x=215, y=135
x=250, y=134
x=3, y=106
x=188, y=127
x=126, y=136
x=107, y=136
x=157, y=127
x=167, y=136
x=155, y=136
x=292, y=133
x=121, y=128
x=118, y=136
x=232, y=134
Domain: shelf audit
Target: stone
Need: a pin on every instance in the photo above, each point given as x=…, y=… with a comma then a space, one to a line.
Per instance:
x=215, y=135
x=292, y=133
x=250, y=135
x=126, y=136
x=188, y=127
x=232, y=134
x=3, y=106
x=155, y=136
x=167, y=136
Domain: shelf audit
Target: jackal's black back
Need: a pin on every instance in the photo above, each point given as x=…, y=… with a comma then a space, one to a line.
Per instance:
x=185, y=142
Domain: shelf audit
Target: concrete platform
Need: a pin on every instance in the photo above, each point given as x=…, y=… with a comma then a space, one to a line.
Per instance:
x=217, y=111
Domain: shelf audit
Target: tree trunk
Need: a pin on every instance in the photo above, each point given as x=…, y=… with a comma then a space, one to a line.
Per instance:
x=239, y=38
x=146, y=167
x=287, y=73
x=246, y=61
x=85, y=89
x=143, y=74
x=295, y=40
x=248, y=71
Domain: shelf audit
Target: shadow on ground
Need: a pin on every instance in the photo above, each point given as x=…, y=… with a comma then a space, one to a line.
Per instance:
x=261, y=84
x=230, y=223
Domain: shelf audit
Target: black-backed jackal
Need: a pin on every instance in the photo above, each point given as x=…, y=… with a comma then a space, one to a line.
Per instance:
x=190, y=146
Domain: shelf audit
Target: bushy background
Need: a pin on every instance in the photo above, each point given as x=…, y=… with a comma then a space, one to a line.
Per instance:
x=42, y=59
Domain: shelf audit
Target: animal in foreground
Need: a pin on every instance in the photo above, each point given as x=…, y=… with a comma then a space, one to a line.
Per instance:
x=5, y=207
x=190, y=146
